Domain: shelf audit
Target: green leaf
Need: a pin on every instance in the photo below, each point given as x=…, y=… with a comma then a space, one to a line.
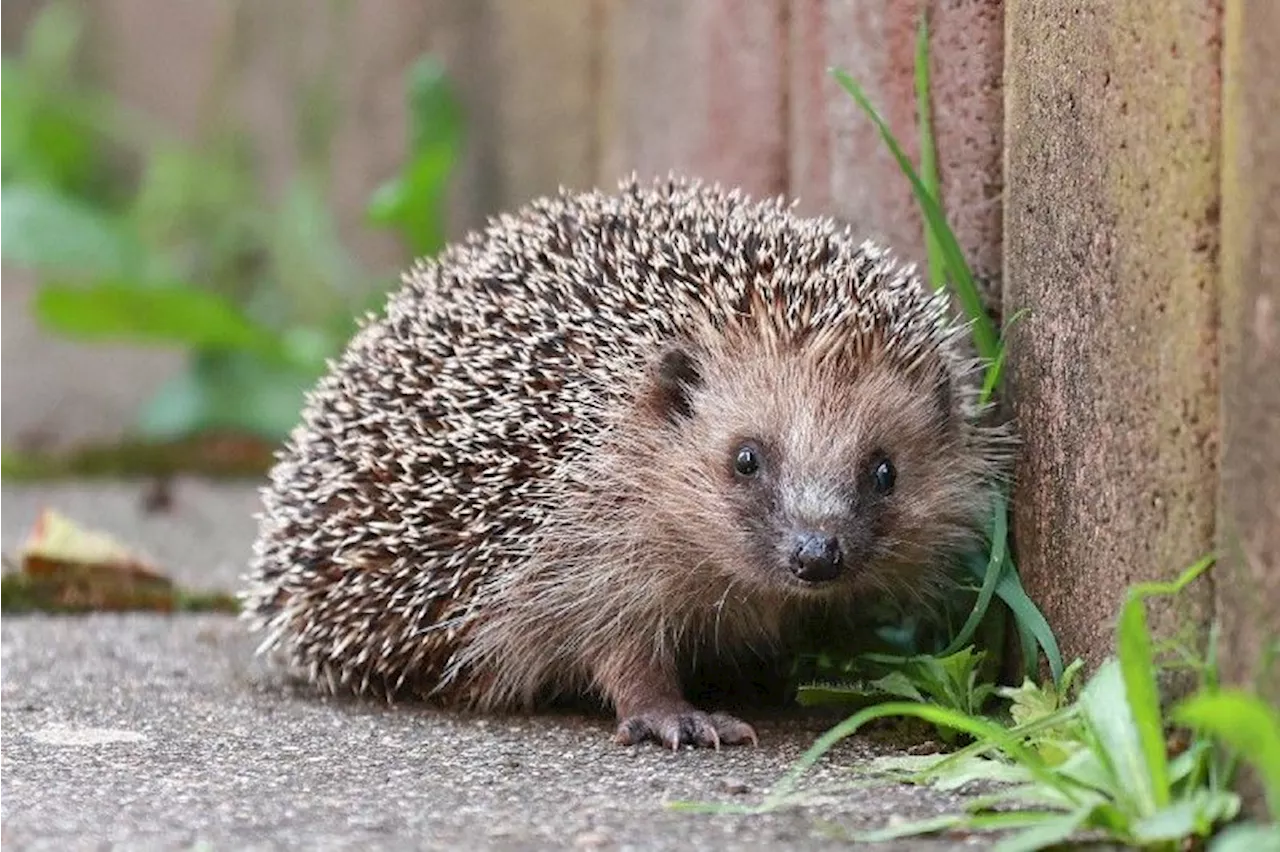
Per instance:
x=928, y=153
x=960, y=276
x=898, y=684
x=1247, y=724
x=146, y=313
x=973, y=769
x=1247, y=837
x=43, y=230
x=995, y=821
x=991, y=379
x=228, y=391
x=1089, y=769
x=914, y=828
x=988, y=571
x=1137, y=665
x=1052, y=830
x=413, y=201
x=1106, y=710
x=435, y=115
x=1030, y=621
x=1192, y=816
x=832, y=694
x=1030, y=701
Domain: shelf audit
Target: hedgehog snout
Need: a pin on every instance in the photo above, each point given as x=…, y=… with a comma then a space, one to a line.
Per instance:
x=816, y=557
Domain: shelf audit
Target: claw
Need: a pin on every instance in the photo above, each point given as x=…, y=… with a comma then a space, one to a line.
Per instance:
x=674, y=728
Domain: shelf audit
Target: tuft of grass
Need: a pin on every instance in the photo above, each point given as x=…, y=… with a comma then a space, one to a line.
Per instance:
x=992, y=570
x=1111, y=762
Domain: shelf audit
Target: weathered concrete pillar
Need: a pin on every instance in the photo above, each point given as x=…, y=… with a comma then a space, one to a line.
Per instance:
x=1111, y=244
x=697, y=87
x=837, y=163
x=1247, y=578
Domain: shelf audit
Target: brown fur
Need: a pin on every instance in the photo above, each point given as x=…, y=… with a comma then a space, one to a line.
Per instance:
x=645, y=565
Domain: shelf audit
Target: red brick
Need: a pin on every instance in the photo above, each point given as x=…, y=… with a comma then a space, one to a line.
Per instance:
x=837, y=162
x=699, y=88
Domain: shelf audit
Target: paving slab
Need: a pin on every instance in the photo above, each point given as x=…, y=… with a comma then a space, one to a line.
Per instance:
x=157, y=732
x=148, y=731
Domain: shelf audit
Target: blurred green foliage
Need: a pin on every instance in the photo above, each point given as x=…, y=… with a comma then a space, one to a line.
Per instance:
x=139, y=237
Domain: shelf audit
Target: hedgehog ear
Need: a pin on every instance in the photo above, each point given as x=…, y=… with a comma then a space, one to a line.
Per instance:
x=675, y=378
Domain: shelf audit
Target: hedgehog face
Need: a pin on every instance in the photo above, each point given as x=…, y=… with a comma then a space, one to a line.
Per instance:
x=814, y=524
x=813, y=476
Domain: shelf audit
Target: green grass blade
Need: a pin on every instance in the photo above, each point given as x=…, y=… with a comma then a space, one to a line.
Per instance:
x=1137, y=666
x=928, y=154
x=914, y=828
x=1173, y=587
x=1247, y=724
x=961, y=277
x=1051, y=830
x=1247, y=837
x=1138, y=669
x=976, y=726
x=998, y=821
x=991, y=379
x=990, y=577
x=1030, y=621
x=976, y=749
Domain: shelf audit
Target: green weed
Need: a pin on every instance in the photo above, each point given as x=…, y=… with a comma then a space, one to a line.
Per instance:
x=182, y=247
x=1111, y=763
x=1248, y=728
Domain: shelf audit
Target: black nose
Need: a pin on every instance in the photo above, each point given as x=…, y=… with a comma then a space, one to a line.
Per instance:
x=816, y=558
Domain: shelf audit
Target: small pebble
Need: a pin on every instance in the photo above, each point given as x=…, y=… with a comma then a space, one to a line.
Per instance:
x=735, y=786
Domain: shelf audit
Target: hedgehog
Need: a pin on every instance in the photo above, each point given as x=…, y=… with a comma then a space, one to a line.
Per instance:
x=613, y=437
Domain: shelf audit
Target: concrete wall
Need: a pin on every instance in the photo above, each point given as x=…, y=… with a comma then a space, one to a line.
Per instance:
x=1111, y=246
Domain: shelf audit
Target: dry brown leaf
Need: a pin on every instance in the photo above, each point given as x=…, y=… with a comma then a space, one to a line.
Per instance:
x=64, y=567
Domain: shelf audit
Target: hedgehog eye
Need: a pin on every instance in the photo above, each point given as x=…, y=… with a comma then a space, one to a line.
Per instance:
x=883, y=474
x=746, y=462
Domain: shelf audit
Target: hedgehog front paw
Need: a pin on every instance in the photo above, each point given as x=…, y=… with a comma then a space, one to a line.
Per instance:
x=684, y=725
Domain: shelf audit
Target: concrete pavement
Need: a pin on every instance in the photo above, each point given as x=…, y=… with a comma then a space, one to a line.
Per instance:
x=155, y=732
